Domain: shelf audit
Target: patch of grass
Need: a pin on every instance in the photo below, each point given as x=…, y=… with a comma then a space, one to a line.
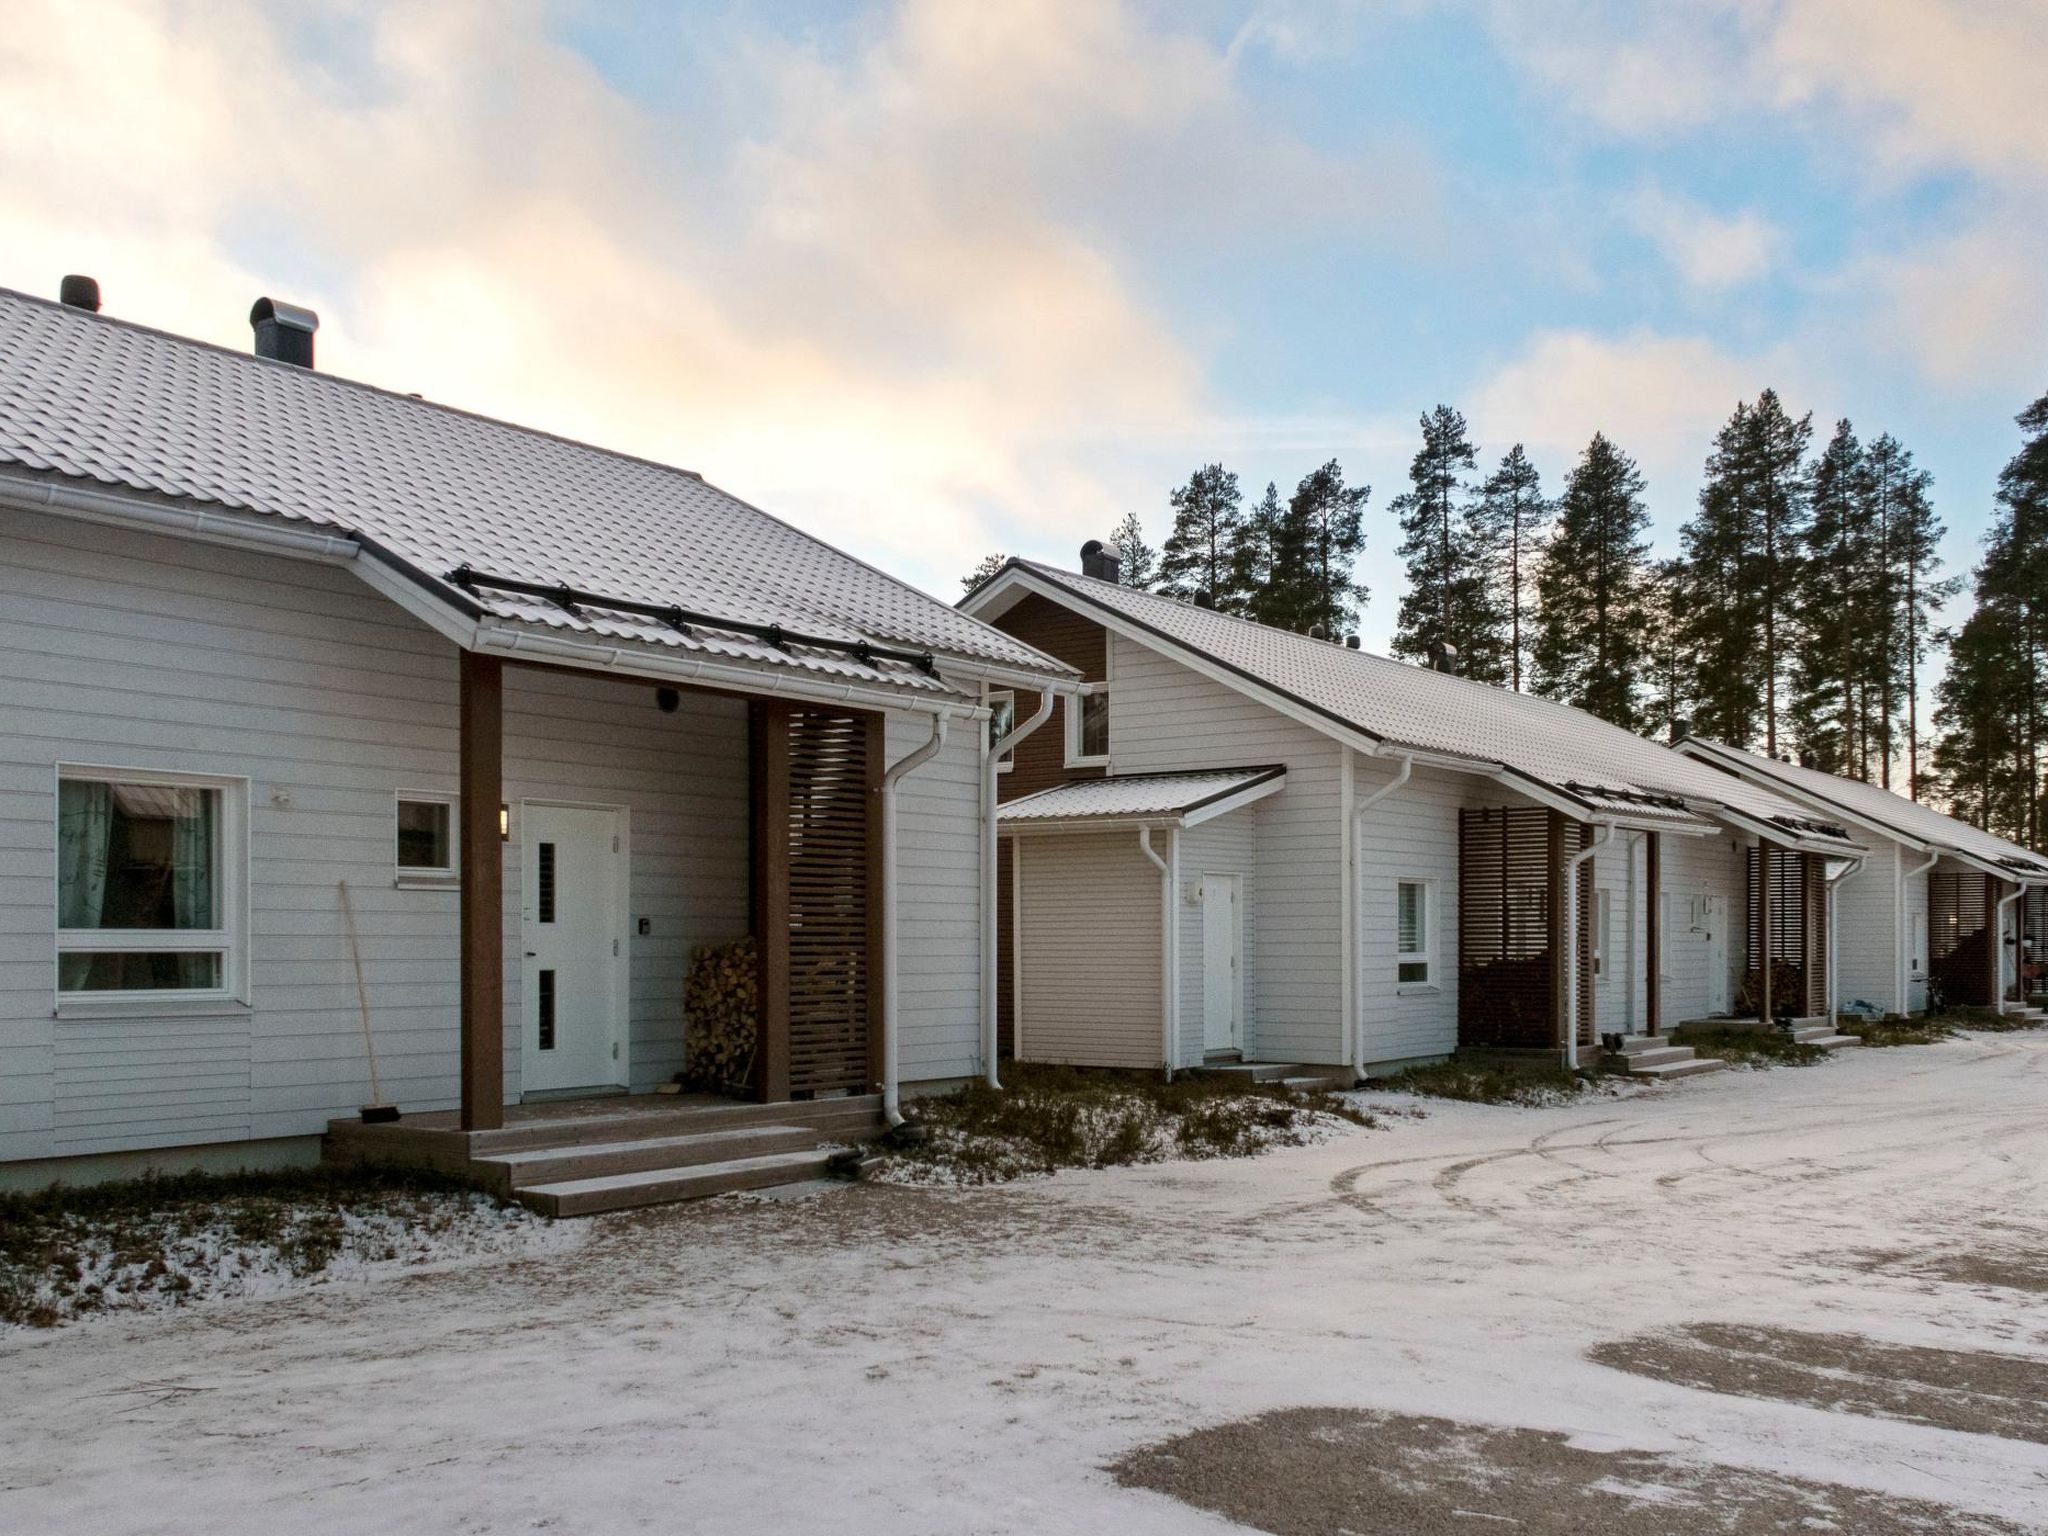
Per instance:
x=1898, y=1031
x=70, y=1250
x=1489, y=1080
x=1756, y=1048
x=1045, y=1118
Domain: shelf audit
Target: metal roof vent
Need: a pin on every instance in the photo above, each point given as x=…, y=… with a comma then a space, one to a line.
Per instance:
x=284, y=331
x=1351, y=642
x=79, y=292
x=1680, y=728
x=1204, y=598
x=1105, y=562
x=1444, y=657
x=1317, y=632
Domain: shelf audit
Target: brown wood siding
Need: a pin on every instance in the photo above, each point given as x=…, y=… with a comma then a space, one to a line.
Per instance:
x=1040, y=759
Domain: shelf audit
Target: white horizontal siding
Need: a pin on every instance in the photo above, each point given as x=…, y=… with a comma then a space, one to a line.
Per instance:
x=1088, y=958
x=1165, y=717
x=156, y=653
x=1693, y=869
x=1227, y=845
x=1867, y=927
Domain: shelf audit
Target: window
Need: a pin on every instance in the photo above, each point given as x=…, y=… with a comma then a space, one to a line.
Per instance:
x=1917, y=961
x=1002, y=720
x=148, y=884
x=1415, y=932
x=1601, y=910
x=426, y=834
x=1088, y=727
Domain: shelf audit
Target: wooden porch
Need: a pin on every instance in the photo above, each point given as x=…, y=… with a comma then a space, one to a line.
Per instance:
x=586, y=1156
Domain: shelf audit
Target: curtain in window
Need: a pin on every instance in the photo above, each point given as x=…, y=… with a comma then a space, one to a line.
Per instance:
x=192, y=878
x=85, y=828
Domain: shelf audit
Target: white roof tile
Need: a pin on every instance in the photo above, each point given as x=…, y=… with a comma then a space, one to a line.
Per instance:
x=97, y=399
x=1606, y=768
x=1126, y=797
x=1884, y=808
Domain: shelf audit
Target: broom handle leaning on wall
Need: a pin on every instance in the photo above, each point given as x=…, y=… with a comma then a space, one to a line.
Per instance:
x=355, y=953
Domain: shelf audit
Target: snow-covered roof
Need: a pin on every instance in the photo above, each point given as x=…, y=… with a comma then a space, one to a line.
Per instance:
x=1176, y=799
x=1888, y=811
x=429, y=489
x=1577, y=757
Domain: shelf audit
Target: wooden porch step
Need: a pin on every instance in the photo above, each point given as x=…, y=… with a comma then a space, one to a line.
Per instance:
x=663, y=1186
x=1655, y=1057
x=832, y=1115
x=511, y=1171
x=1666, y=1071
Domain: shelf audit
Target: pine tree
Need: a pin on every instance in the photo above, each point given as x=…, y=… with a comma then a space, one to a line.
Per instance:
x=1837, y=602
x=1979, y=755
x=1199, y=554
x=1594, y=590
x=1744, y=549
x=1254, y=557
x=1508, y=522
x=1320, y=537
x=1671, y=677
x=2013, y=580
x=1910, y=535
x=1140, y=560
x=990, y=564
x=1448, y=600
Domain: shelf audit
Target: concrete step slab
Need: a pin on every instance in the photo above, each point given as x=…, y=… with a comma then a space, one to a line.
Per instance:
x=555, y=1165
x=1659, y=1056
x=665, y=1186
x=1678, y=1069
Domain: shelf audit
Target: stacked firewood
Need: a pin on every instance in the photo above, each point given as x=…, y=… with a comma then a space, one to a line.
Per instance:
x=722, y=1017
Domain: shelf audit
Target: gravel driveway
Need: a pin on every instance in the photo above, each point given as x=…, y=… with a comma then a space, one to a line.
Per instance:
x=1572, y=1298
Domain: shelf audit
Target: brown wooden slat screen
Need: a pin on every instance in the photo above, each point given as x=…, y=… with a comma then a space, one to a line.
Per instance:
x=1959, y=938
x=1796, y=978
x=1504, y=922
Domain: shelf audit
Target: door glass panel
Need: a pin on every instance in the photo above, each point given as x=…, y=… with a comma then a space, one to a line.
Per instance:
x=544, y=883
x=545, y=1009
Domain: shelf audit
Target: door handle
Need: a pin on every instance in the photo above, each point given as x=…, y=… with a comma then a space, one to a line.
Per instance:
x=533, y=954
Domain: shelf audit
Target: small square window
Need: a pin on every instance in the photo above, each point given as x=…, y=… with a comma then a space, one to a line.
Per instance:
x=1087, y=717
x=426, y=835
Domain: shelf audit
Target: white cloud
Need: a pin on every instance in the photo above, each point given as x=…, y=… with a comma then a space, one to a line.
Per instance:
x=1970, y=308
x=892, y=312
x=1707, y=249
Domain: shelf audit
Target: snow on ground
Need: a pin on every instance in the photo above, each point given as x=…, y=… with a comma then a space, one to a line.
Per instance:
x=935, y=1360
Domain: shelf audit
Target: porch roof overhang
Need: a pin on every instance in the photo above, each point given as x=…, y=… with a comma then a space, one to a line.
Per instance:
x=1184, y=799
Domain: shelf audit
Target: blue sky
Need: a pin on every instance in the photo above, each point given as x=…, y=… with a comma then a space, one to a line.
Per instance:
x=936, y=279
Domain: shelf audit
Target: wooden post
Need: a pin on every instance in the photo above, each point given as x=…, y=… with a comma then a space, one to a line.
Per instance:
x=875, y=741
x=1654, y=925
x=482, y=714
x=770, y=765
x=1763, y=923
x=1560, y=997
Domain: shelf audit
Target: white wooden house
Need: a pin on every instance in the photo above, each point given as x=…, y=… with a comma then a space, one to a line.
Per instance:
x=278, y=649
x=1241, y=843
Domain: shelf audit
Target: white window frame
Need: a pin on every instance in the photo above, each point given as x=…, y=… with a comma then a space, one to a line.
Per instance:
x=451, y=873
x=1426, y=955
x=1072, y=710
x=230, y=940
x=1009, y=759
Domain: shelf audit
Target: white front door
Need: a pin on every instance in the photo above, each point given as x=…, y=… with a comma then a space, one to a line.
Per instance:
x=573, y=1000
x=1714, y=918
x=1222, y=1010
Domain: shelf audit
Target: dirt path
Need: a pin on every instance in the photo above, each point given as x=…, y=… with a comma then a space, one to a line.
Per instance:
x=887, y=1359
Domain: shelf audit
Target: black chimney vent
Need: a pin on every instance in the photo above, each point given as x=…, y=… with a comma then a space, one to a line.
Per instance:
x=1317, y=632
x=1680, y=728
x=1204, y=598
x=284, y=331
x=80, y=292
x=1351, y=642
x=1444, y=657
x=1105, y=562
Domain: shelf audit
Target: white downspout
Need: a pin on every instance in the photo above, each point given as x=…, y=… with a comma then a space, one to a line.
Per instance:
x=892, y=1109
x=1835, y=937
x=1604, y=834
x=992, y=754
x=1357, y=1020
x=1906, y=879
x=1998, y=952
x=1169, y=971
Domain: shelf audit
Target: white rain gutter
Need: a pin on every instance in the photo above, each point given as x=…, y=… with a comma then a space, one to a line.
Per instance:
x=1834, y=885
x=1998, y=952
x=113, y=509
x=1605, y=829
x=892, y=1109
x=1169, y=939
x=1900, y=925
x=1356, y=1021
x=992, y=754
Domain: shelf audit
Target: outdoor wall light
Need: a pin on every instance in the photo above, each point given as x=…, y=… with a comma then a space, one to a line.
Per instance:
x=504, y=821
